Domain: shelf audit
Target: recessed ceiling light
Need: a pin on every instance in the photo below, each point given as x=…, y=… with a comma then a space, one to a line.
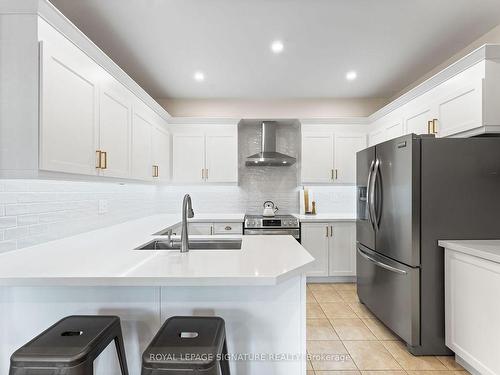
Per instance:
x=277, y=46
x=199, y=76
x=351, y=76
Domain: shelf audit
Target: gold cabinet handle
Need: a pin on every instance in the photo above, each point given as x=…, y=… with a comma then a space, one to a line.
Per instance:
x=331, y=230
x=326, y=231
x=98, y=159
x=429, y=127
x=336, y=174
x=104, y=160
x=434, y=126
x=155, y=171
x=331, y=174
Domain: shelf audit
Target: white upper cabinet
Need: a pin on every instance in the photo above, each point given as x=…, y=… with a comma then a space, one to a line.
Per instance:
x=91, y=123
x=68, y=110
x=202, y=154
x=142, y=166
x=188, y=154
x=460, y=101
x=115, y=110
x=317, y=157
x=346, y=146
x=329, y=156
x=160, y=154
x=221, y=158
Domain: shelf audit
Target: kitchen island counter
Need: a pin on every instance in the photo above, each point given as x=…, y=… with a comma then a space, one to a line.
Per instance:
x=106, y=257
x=99, y=272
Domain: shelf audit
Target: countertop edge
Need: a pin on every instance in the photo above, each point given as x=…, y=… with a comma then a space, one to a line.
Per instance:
x=469, y=250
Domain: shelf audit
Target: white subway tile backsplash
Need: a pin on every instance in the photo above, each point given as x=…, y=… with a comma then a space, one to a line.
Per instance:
x=15, y=233
x=8, y=222
x=7, y=246
x=36, y=211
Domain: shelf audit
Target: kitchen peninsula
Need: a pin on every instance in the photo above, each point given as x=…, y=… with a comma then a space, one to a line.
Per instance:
x=99, y=272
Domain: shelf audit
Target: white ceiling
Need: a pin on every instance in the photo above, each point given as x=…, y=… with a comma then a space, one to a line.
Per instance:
x=390, y=43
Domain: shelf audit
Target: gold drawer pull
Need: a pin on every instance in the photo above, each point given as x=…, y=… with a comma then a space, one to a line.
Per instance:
x=104, y=160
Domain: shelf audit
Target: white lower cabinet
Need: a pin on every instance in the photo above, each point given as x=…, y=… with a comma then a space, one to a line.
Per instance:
x=473, y=310
x=342, y=250
x=333, y=245
x=314, y=237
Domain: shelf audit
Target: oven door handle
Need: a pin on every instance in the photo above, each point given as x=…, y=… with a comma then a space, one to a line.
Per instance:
x=291, y=232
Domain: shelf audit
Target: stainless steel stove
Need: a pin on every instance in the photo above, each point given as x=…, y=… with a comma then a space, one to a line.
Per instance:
x=275, y=225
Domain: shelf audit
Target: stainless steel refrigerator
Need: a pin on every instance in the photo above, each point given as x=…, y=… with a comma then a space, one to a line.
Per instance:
x=411, y=192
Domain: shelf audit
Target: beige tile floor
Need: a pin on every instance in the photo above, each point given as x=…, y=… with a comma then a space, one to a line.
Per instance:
x=351, y=341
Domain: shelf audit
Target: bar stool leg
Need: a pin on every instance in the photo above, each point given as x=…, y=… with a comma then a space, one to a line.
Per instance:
x=120, y=350
x=224, y=363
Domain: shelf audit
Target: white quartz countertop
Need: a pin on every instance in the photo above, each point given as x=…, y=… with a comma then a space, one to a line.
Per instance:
x=106, y=257
x=485, y=249
x=326, y=217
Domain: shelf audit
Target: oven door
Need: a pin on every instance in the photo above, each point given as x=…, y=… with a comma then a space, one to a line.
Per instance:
x=391, y=291
x=280, y=232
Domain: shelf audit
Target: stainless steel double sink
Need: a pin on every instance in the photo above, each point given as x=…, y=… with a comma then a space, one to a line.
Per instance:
x=194, y=244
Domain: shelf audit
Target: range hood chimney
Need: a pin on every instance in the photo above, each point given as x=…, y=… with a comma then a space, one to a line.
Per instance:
x=268, y=155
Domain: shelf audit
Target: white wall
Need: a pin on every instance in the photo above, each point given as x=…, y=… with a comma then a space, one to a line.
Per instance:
x=272, y=108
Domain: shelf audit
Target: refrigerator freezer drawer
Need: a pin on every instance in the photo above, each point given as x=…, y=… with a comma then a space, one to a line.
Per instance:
x=391, y=291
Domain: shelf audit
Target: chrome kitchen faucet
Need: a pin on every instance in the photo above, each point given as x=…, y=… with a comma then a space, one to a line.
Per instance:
x=187, y=212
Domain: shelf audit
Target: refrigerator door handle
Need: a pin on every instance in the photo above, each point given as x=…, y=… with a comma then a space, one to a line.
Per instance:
x=380, y=264
x=376, y=175
x=372, y=195
x=368, y=190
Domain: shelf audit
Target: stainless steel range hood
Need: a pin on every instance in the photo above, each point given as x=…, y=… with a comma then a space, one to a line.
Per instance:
x=268, y=155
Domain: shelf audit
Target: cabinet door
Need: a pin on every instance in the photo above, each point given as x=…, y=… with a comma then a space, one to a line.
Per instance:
x=342, y=251
x=114, y=128
x=161, y=151
x=68, y=109
x=417, y=121
x=221, y=158
x=394, y=130
x=376, y=137
x=188, y=157
x=346, y=146
x=314, y=237
x=460, y=110
x=317, y=158
x=141, y=146
x=205, y=229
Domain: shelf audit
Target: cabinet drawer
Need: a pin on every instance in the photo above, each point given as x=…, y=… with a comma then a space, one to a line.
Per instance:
x=228, y=228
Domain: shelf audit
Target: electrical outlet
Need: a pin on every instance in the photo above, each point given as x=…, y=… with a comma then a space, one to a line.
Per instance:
x=102, y=207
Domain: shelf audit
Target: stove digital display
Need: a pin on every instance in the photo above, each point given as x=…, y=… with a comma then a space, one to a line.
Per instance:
x=271, y=223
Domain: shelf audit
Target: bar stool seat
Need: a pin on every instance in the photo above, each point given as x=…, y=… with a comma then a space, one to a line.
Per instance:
x=188, y=345
x=69, y=347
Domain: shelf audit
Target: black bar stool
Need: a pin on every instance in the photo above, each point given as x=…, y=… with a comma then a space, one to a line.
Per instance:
x=69, y=347
x=188, y=345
